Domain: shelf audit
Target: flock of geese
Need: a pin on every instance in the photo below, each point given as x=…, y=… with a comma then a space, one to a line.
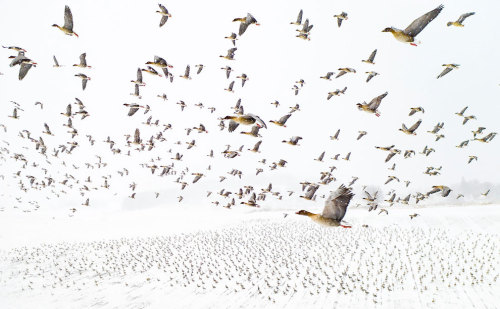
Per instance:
x=136, y=141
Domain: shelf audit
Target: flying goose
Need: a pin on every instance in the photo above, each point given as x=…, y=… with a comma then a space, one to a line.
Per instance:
x=84, y=78
x=248, y=119
x=281, y=122
x=412, y=129
x=371, y=58
x=414, y=110
x=408, y=35
x=334, y=210
x=83, y=62
x=448, y=69
x=232, y=37
x=340, y=18
x=460, y=20
x=230, y=54
x=293, y=141
x=164, y=14
x=67, y=28
x=371, y=74
x=299, y=19
x=372, y=107
x=245, y=22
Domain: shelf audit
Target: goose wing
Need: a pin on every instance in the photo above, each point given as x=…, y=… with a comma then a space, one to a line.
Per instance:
x=420, y=23
x=68, y=18
x=337, y=202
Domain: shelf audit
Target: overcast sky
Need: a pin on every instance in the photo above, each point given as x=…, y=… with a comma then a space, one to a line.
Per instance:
x=120, y=37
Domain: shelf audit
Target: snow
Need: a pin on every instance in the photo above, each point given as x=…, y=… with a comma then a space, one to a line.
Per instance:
x=157, y=258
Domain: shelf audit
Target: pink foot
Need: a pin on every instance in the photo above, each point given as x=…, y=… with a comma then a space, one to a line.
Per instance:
x=377, y=114
x=346, y=226
x=413, y=44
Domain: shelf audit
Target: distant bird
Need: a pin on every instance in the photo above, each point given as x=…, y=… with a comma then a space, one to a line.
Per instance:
x=463, y=144
x=84, y=78
x=245, y=22
x=414, y=110
x=445, y=191
x=243, y=78
x=371, y=58
x=372, y=107
x=139, y=78
x=334, y=210
x=467, y=118
x=254, y=132
x=340, y=18
x=412, y=129
x=68, y=23
x=186, y=73
x=200, y=68
x=344, y=71
x=86, y=203
x=336, y=135
x=56, y=64
x=320, y=158
x=461, y=113
x=472, y=158
x=164, y=14
x=83, y=62
x=248, y=119
x=361, y=134
x=232, y=37
x=448, y=69
x=486, y=193
x=310, y=193
x=230, y=54
x=230, y=87
x=460, y=20
x=256, y=147
x=293, y=141
x=281, y=122
x=299, y=19
x=337, y=92
x=408, y=35
x=327, y=76
x=371, y=75
x=414, y=216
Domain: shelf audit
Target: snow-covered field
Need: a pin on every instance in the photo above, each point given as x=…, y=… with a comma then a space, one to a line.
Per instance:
x=447, y=257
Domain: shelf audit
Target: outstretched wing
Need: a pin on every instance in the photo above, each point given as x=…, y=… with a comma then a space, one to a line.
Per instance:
x=336, y=204
x=68, y=18
x=464, y=16
x=372, y=56
x=375, y=102
x=25, y=67
x=415, y=126
x=445, y=71
x=420, y=23
x=232, y=125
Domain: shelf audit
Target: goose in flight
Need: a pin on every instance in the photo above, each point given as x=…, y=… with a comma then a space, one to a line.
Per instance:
x=371, y=74
x=461, y=113
x=67, y=28
x=460, y=20
x=334, y=210
x=372, y=107
x=245, y=22
x=448, y=68
x=84, y=78
x=56, y=63
x=414, y=110
x=186, y=73
x=299, y=19
x=232, y=37
x=340, y=18
x=230, y=54
x=164, y=14
x=139, y=78
x=408, y=35
x=83, y=62
x=412, y=129
x=281, y=122
x=248, y=119
x=371, y=58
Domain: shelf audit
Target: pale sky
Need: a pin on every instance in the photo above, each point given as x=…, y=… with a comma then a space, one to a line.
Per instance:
x=119, y=37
